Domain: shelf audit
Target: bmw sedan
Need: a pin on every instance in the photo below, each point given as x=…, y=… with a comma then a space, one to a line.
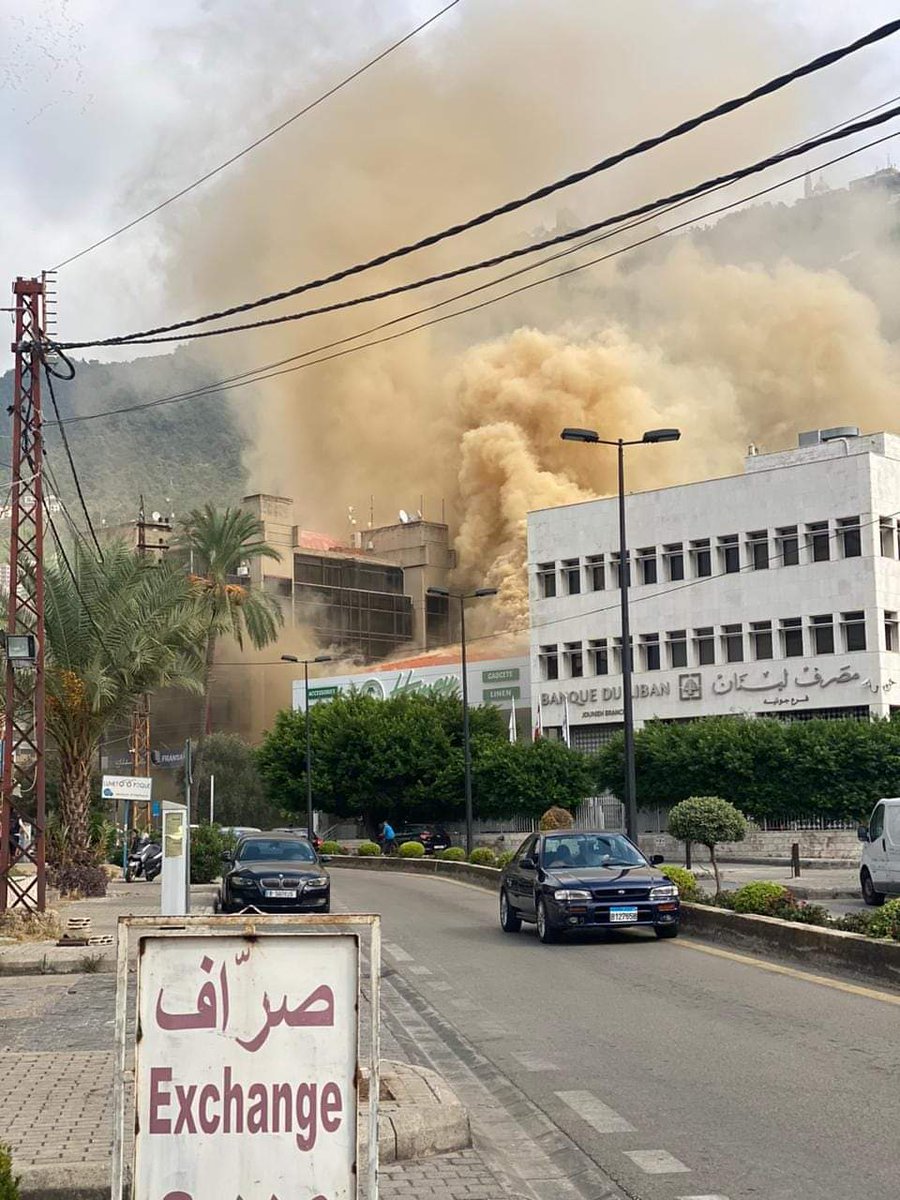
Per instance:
x=274, y=873
x=571, y=880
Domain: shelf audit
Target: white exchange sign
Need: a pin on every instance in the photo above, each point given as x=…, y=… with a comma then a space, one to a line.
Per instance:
x=245, y=1070
x=128, y=787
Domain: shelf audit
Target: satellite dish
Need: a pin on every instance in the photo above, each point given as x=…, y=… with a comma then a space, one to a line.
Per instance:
x=155, y=516
x=404, y=517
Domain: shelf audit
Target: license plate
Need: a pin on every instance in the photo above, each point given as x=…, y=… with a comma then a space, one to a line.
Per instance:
x=281, y=894
x=623, y=916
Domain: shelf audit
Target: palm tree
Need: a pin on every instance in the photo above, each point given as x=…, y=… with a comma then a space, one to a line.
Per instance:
x=218, y=542
x=116, y=630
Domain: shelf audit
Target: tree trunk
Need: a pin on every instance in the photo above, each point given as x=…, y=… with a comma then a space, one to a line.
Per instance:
x=204, y=726
x=75, y=802
x=715, y=867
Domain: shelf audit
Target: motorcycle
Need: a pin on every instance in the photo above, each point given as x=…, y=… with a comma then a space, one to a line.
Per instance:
x=144, y=861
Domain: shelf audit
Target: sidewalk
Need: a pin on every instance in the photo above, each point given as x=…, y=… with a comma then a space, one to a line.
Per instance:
x=813, y=884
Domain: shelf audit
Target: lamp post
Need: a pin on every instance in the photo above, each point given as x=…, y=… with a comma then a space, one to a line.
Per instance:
x=462, y=597
x=651, y=436
x=321, y=658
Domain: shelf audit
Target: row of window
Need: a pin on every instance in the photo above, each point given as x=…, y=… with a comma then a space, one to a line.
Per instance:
x=757, y=641
x=787, y=546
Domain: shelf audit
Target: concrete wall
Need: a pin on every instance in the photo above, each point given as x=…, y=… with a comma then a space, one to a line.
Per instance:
x=814, y=844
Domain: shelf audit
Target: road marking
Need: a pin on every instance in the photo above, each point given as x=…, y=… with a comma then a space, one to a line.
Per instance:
x=596, y=1114
x=656, y=1162
x=854, y=989
x=531, y=1062
x=465, y=1004
x=716, y=1197
x=397, y=952
x=420, y=970
x=439, y=985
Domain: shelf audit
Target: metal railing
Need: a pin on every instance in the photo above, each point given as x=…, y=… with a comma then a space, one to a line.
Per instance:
x=600, y=812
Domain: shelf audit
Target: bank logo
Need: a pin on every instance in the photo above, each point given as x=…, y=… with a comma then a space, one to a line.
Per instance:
x=690, y=687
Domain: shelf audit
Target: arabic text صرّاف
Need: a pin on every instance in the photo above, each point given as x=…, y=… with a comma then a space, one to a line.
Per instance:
x=739, y=682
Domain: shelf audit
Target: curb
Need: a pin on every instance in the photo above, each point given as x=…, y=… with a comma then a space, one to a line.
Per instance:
x=57, y=960
x=485, y=877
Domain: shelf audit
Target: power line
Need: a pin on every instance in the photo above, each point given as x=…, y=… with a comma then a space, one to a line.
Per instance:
x=541, y=193
x=259, y=141
x=269, y=371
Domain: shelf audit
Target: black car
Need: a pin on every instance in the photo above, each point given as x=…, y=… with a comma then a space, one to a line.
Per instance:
x=573, y=880
x=300, y=831
x=275, y=873
x=434, y=838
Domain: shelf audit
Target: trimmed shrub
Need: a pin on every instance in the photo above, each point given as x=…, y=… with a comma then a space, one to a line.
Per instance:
x=368, y=850
x=760, y=898
x=412, y=850
x=9, y=1183
x=557, y=818
x=78, y=879
x=885, y=921
x=482, y=856
x=505, y=858
x=208, y=844
x=332, y=848
x=684, y=880
x=707, y=820
x=453, y=854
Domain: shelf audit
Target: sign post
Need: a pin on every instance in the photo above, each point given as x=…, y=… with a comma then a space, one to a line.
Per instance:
x=133, y=789
x=246, y=1067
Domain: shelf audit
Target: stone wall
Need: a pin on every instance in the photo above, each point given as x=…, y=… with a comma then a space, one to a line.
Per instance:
x=814, y=844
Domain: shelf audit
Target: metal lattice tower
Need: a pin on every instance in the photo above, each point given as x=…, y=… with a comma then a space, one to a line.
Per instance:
x=23, y=778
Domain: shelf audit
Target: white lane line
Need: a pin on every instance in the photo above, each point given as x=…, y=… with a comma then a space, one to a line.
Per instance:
x=439, y=985
x=397, y=952
x=597, y=1114
x=716, y=1197
x=420, y=970
x=656, y=1162
x=531, y=1062
x=463, y=1003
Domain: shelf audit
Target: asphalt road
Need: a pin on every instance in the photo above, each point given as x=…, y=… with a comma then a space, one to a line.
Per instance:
x=654, y=1056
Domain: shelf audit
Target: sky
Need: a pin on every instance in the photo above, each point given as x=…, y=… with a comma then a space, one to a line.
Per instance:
x=107, y=107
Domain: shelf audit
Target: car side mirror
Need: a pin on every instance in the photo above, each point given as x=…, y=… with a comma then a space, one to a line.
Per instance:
x=527, y=864
x=656, y=859
x=862, y=833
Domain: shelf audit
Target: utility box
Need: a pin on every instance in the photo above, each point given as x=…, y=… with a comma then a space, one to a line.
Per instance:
x=176, y=863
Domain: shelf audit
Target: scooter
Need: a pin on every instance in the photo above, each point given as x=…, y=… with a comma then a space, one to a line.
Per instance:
x=144, y=861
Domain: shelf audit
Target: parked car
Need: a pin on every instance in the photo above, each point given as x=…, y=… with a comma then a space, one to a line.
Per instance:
x=274, y=873
x=879, y=871
x=571, y=880
x=301, y=831
x=434, y=838
x=237, y=831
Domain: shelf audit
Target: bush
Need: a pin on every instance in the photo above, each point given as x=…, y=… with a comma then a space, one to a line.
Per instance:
x=483, y=856
x=885, y=922
x=9, y=1183
x=368, y=850
x=759, y=898
x=685, y=881
x=78, y=879
x=707, y=820
x=412, y=850
x=505, y=858
x=208, y=844
x=806, y=914
x=557, y=818
x=858, y=922
x=332, y=848
x=453, y=854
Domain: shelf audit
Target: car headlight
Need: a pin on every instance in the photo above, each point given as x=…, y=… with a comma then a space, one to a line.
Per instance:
x=243, y=880
x=318, y=881
x=571, y=894
x=667, y=892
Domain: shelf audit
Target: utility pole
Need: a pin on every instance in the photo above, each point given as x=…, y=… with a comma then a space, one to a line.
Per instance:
x=23, y=774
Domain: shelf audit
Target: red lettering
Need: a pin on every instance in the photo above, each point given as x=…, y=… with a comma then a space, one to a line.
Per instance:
x=258, y=1110
x=159, y=1099
x=209, y=1094
x=232, y=1095
x=332, y=1106
x=306, y=1116
x=185, y=1098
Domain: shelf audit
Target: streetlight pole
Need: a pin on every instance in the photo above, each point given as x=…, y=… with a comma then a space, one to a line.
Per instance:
x=321, y=658
x=462, y=597
x=651, y=436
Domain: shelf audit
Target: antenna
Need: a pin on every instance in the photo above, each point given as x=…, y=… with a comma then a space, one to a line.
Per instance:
x=404, y=517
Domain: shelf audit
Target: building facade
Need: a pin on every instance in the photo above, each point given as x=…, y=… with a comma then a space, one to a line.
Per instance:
x=771, y=593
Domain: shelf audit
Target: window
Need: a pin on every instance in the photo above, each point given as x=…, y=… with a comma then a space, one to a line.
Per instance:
x=705, y=644
x=598, y=656
x=761, y=639
x=571, y=576
x=617, y=655
x=876, y=823
x=549, y=659
x=677, y=642
x=787, y=545
x=758, y=546
x=849, y=537
x=596, y=573
x=886, y=529
x=730, y=554
x=650, y=651
x=614, y=561
x=647, y=564
x=673, y=557
x=791, y=637
x=854, y=626
x=702, y=556
x=817, y=541
x=546, y=575
x=822, y=634
x=891, y=632
x=573, y=659
x=733, y=643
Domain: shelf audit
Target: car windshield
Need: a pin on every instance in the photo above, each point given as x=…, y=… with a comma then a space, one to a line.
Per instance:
x=275, y=850
x=590, y=850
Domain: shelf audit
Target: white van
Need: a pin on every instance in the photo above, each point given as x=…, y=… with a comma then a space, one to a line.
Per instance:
x=879, y=872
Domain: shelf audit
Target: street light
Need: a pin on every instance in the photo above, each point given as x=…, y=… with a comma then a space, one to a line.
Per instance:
x=321, y=658
x=462, y=597
x=652, y=436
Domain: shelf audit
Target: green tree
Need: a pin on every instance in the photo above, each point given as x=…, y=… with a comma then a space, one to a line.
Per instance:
x=707, y=820
x=526, y=778
x=119, y=629
x=240, y=797
x=217, y=542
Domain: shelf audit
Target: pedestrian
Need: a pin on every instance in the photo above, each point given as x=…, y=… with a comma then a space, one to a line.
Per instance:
x=388, y=838
x=14, y=833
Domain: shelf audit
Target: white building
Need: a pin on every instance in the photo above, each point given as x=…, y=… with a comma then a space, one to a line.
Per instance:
x=772, y=593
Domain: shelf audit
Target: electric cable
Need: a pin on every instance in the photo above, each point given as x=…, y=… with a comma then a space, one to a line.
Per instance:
x=258, y=142
x=541, y=193
x=57, y=495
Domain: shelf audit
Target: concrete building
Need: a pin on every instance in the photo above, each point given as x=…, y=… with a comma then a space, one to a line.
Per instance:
x=771, y=593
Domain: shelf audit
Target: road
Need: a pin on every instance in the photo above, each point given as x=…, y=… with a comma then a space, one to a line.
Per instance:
x=650, y=1056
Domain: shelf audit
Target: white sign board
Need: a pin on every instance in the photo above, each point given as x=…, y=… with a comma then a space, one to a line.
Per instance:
x=245, y=1068
x=128, y=787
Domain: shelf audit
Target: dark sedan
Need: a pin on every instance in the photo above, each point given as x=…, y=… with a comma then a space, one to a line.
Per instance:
x=572, y=880
x=434, y=838
x=274, y=873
